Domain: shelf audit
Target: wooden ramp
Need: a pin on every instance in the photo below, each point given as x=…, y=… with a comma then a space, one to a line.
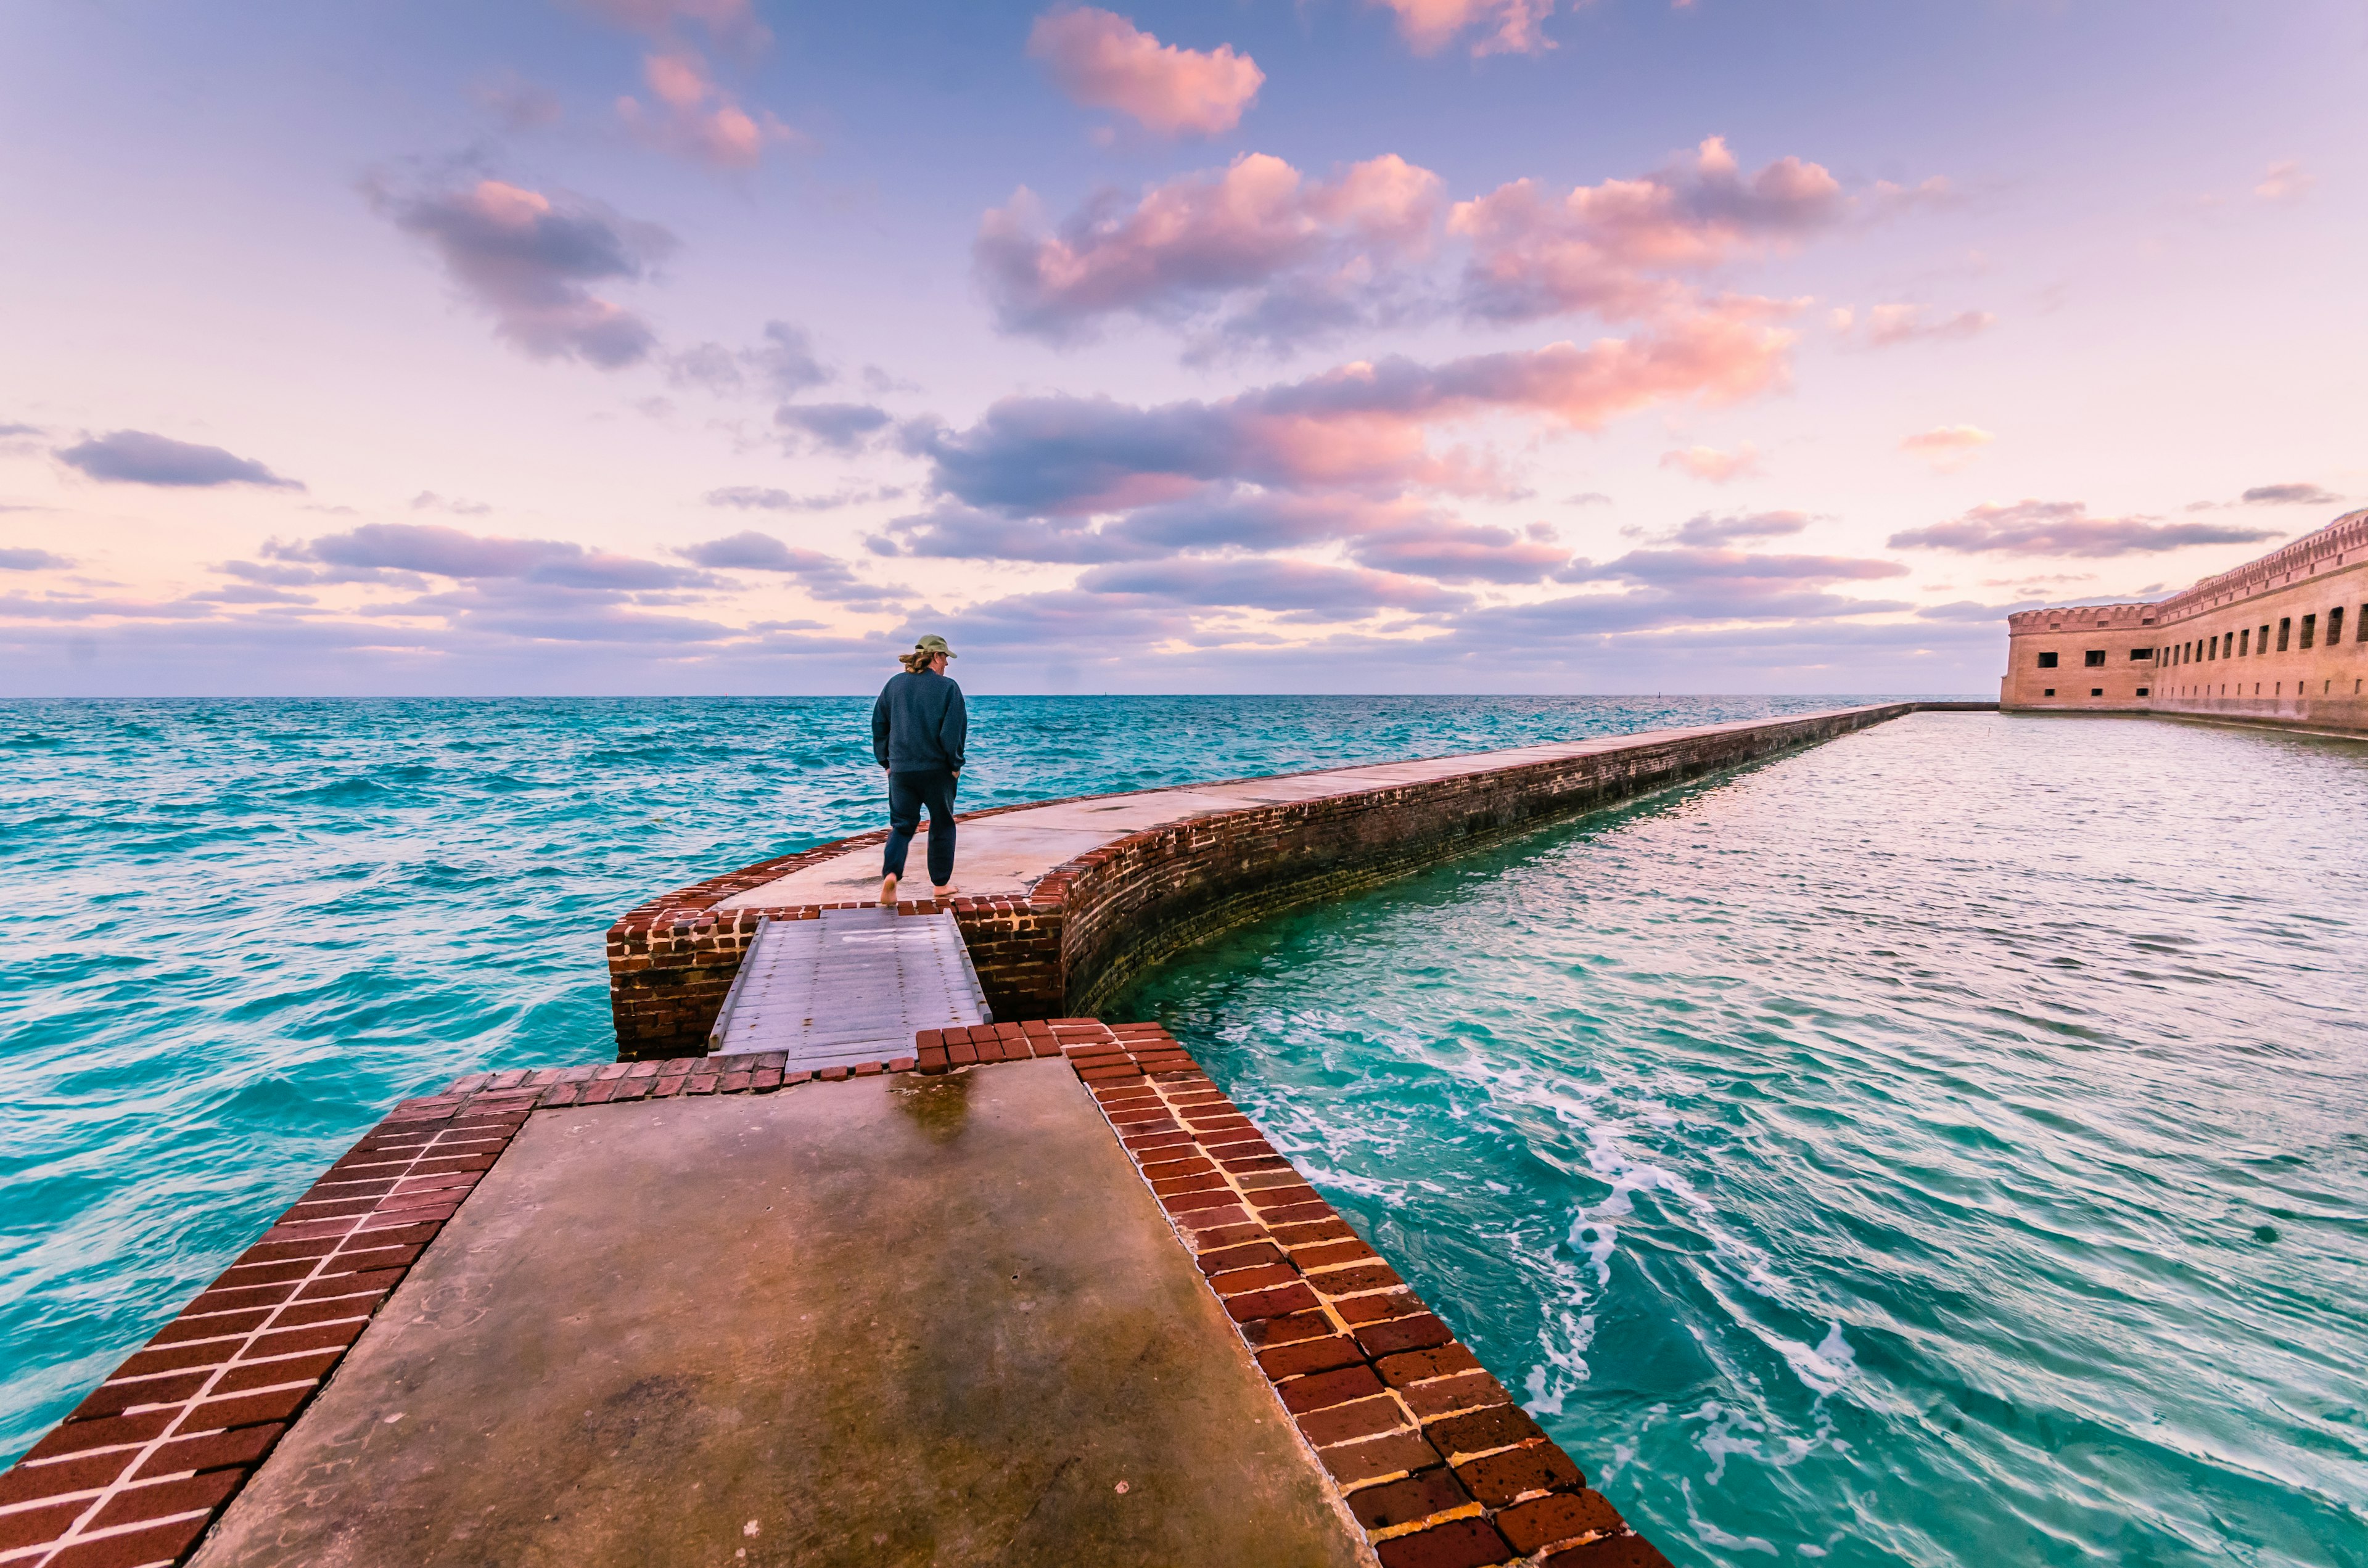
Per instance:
x=856, y=985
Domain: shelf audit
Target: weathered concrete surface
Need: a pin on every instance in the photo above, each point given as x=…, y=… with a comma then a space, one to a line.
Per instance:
x=882, y=1322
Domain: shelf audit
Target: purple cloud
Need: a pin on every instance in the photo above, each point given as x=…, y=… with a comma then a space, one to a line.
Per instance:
x=528, y=259
x=2065, y=528
x=2291, y=495
x=436, y=551
x=136, y=457
x=31, y=561
x=843, y=428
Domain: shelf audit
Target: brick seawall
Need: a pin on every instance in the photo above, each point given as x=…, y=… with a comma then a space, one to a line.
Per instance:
x=1091, y=924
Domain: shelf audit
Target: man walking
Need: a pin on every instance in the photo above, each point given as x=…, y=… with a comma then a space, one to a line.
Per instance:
x=918, y=730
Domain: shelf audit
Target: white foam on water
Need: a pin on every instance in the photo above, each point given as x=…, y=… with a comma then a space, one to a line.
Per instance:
x=1711, y=1535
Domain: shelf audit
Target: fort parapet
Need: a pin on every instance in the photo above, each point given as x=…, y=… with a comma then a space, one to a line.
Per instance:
x=2280, y=640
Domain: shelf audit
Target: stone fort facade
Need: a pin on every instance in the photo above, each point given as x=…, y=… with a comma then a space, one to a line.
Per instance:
x=2283, y=640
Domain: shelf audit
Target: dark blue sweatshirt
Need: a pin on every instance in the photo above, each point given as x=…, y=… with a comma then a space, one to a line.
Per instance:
x=919, y=723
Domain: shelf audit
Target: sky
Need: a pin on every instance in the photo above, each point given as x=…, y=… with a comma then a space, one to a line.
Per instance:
x=585, y=346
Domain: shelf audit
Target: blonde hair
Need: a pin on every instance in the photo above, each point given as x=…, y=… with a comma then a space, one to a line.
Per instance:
x=915, y=662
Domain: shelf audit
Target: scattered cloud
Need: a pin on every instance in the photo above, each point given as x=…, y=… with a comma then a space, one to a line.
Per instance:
x=823, y=576
x=437, y=551
x=783, y=365
x=2065, y=528
x=1946, y=446
x=1493, y=26
x=2287, y=181
x=752, y=498
x=1887, y=326
x=2291, y=495
x=731, y=22
x=428, y=501
x=1283, y=586
x=843, y=428
x=694, y=118
x=8, y=431
x=1968, y=610
x=527, y=259
x=1613, y=249
x=1282, y=258
x=1586, y=498
x=518, y=104
x=1361, y=426
x=1706, y=530
x=1103, y=61
x=28, y=560
x=136, y=457
x=1710, y=463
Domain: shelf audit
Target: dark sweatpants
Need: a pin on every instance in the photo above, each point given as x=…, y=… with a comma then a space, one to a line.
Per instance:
x=907, y=793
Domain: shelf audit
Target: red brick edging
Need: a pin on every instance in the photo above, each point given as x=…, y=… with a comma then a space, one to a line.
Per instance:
x=1431, y=1455
x=135, y=1473
x=1429, y=1452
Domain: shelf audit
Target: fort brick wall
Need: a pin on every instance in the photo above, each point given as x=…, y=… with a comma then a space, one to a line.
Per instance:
x=1091, y=924
x=2280, y=640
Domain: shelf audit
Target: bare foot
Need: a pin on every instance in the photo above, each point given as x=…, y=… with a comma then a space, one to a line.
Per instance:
x=887, y=893
x=945, y=893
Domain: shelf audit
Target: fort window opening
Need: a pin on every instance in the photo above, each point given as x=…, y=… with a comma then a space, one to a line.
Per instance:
x=2049, y=692
x=2285, y=629
x=2215, y=652
x=2244, y=644
x=2139, y=655
x=2145, y=691
x=2361, y=635
x=2335, y=626
x=2095, y=657
x=2309, y=629
x=2047, y=662
x=2261, y=641
x=2096, y=691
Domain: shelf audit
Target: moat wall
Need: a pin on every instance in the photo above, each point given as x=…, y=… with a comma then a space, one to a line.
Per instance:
x=1093, y=923
x=2282, y=641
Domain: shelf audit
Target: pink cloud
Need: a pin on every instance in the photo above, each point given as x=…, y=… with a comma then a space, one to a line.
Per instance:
x=729, y=21
x=1716, y=466
x=1614, y=248
x=1103, y=61
x=1294, y=255
x=1947, y=447
x=2288, y=181
x=1889, y=326
x=695, y=117
x=528, y=259
x=1363, y=427
x=1505, y=27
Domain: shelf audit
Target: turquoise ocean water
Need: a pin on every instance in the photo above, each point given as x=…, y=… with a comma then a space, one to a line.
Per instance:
x=236, y=932
x=1947, y=1146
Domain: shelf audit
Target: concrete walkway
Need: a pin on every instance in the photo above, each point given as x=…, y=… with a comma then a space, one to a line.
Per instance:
x=1008, y=853
x=886, y=1321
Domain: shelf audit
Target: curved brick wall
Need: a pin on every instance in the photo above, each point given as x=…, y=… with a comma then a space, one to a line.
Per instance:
x=1093, y=923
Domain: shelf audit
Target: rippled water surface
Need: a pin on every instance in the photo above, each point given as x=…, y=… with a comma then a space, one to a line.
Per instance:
x=1948, y=1145
x=235, y=932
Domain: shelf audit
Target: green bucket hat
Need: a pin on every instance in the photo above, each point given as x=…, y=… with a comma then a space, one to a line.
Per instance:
x=934, y=644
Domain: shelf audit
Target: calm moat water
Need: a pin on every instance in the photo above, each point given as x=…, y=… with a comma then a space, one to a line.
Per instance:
x=236, y=932
x=1948, y=1145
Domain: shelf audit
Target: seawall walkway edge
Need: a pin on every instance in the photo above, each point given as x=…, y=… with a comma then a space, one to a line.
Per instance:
x=1068, y=942
x=1431, y=1458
